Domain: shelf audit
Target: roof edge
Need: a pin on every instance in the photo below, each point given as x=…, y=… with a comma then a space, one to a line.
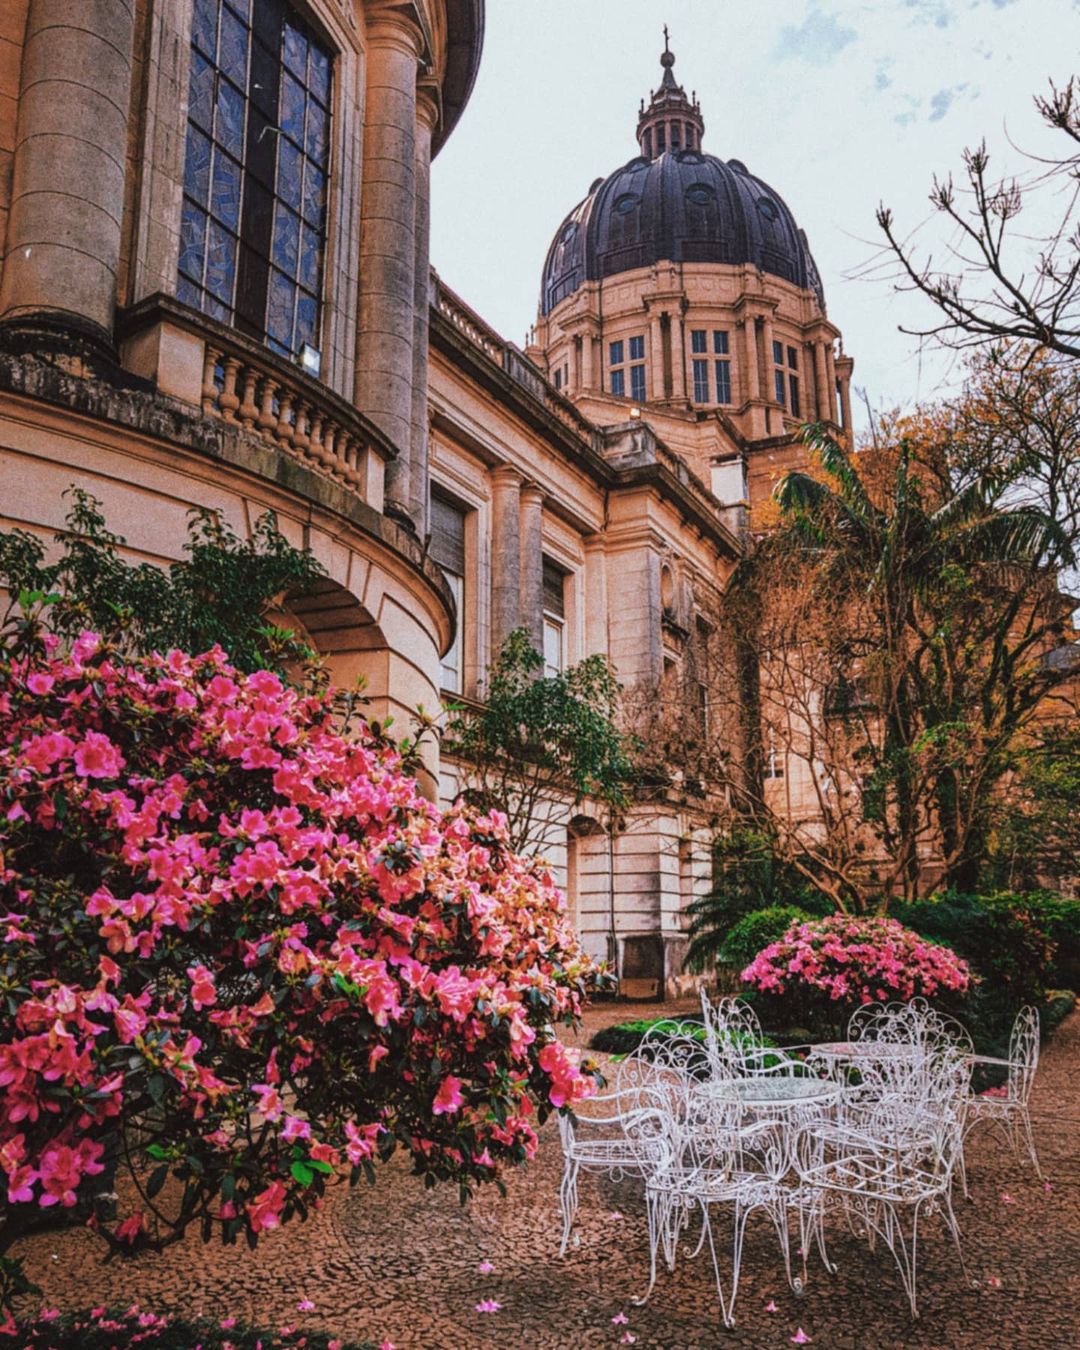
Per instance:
x=465, y=27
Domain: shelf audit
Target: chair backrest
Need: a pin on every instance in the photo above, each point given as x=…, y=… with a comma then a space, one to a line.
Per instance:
x=645, y=1082
x=1023, y=1054
x=731, y=1027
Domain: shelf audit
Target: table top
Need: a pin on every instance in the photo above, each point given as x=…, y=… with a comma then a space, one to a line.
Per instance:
x=869, y=1049
x=771, y=1090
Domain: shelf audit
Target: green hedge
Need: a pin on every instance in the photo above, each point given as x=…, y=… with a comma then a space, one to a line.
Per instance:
x=111, y=1329
x=757, y=930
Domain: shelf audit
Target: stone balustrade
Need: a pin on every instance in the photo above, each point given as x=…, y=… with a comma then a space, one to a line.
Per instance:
x=247, y=385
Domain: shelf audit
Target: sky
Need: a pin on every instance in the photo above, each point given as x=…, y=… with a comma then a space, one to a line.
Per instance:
x=838, y=106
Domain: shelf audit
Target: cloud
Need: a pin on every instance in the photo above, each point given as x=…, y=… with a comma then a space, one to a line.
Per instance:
x=931, y=11
x=818, y=40
x=942, y=101
x=881, y=80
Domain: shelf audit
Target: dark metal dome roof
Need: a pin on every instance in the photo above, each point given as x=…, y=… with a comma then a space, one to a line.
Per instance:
x=682, y=206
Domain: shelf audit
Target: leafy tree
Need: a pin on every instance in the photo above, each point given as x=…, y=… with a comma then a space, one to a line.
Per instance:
x=223, y=593
x=539, y=746
x=244, y=958
x=1000, y=282
x=900, y=630
x=1035, y=839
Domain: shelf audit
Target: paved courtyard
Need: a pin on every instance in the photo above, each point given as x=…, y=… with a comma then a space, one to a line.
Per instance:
x=397, y=1263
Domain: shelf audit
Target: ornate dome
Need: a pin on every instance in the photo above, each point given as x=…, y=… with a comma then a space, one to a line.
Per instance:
x=679, y=205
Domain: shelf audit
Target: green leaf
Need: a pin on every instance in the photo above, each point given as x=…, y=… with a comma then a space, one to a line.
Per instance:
x=302, y=1172
x=156, y=1180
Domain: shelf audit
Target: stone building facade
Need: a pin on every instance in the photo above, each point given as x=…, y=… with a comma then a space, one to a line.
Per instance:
x=215, y=291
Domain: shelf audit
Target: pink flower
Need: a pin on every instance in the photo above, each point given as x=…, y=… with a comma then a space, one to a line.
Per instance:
x=771, y=1307
x=305, y=1305
x=800, y=1338
x=1006, y=1198
x=448, y=1099
x=485, y=1268
x=130, y=1229
x=264, y=1212
x=227, y=1323
x=295, y=1129
x=487, y=1305
x=627, y=1338
x=619, y=1320
x=97, y=757
x=994, y=1282
x=203, y=993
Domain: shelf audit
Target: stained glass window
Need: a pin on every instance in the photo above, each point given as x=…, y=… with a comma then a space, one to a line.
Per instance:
x=253, y=225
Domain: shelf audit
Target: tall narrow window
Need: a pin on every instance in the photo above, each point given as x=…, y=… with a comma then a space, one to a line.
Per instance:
x=253, y=223
x=701, y=381
x=554, y=591
x=619, y=363
x=793, y=382
x=637, y=370
x=448, y=550
x=779, y=374
x=722, y=365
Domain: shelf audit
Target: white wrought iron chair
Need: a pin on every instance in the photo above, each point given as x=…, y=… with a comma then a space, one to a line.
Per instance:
x=1010, y=1113
x=898, y=1160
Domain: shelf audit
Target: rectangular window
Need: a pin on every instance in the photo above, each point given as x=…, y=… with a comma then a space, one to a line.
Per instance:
x=720, y=341
x=701, y=381
x=675, y=138
x=637, y=348
x=723, y=381
x=618, y=383
x=448, y=550
x=778, y=353
x=616, y=360
x=774, y=763
x=558, y=378
x=697, y=340
x=637, y=383
x=253, y=220
x=778, y=378
x=793, y=395
x=793, y=358
x=554, y=600
x=615, y=353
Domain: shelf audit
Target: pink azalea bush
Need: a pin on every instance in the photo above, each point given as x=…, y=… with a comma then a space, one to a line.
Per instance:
x=242, y=956
x=855, y=961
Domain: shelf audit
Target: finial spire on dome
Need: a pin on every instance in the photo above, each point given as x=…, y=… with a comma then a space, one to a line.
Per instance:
x=671, y=121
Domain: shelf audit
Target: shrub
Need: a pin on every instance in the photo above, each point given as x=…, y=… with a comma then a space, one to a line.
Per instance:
x=756, y=930
x=111, y=1329
x=244, y=955
x=817, y=972
x=747, y=877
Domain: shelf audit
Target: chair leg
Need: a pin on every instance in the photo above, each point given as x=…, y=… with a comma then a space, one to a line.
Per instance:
x=1029, y=1140
x=568, y=1200
x=954, y=1231
x=725, y=1313
x=657, y=1212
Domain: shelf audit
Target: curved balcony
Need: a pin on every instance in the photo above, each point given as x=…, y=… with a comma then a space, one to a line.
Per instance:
x=205, y=363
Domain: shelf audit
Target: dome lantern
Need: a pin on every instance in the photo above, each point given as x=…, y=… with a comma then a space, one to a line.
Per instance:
x=671, y=121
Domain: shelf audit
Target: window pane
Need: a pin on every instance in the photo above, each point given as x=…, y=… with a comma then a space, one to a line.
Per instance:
x=447, y=534
x=793, y=358
x=197, y=165
x=318, y=125
x=723, y=381
x=319, y=74
x=290, y=173
x=310, y=259
x=637, y=348
x=778, y=353
x=229, y=130
x=615, y=354
x=720, y=341
x=201, y=93
x=553, y=646
x=701, y=381
x=307, y=321
x=292, y=109
x=793, y=387
x=314, y=195
x=220, y=263
x=279, y=311
x=450, y=674
x=294, y=50
x=618, y=384
x=779, y=386
x=192, y=241
x=225, y=203
x=637, y=383
x=233, y=49
x=286, y=253
x=697, y=340
x=554, y=589
x=204, y=25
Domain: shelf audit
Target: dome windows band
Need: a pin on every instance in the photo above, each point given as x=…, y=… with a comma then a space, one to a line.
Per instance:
x=253, y=223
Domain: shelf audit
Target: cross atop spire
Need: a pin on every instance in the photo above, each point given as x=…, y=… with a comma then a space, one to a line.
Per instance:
x=665, y=37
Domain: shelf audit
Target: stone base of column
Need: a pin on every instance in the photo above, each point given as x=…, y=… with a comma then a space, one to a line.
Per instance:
x=59, y=334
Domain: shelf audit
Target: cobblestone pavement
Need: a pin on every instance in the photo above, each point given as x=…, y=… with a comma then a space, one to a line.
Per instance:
x=401, y=1263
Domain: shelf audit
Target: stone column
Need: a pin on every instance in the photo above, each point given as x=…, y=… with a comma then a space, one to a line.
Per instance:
x=588, y=361
x=678, y=358
x=768, y=393
x=385, y=329
x=655, y=388
x=427, y=117
x=845, y=400
x=596, y=607
x=821, y=381
x=505, y=555
x=749, y=360
x=67, y=193
x=532, y=564
x=830, y=372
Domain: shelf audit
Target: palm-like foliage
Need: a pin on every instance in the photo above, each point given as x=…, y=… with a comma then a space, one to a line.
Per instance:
x=942, y=604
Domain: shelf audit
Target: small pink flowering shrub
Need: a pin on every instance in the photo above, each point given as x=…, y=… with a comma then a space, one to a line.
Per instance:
x=241, y=956
x=114, y=1329
x=849, y=961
